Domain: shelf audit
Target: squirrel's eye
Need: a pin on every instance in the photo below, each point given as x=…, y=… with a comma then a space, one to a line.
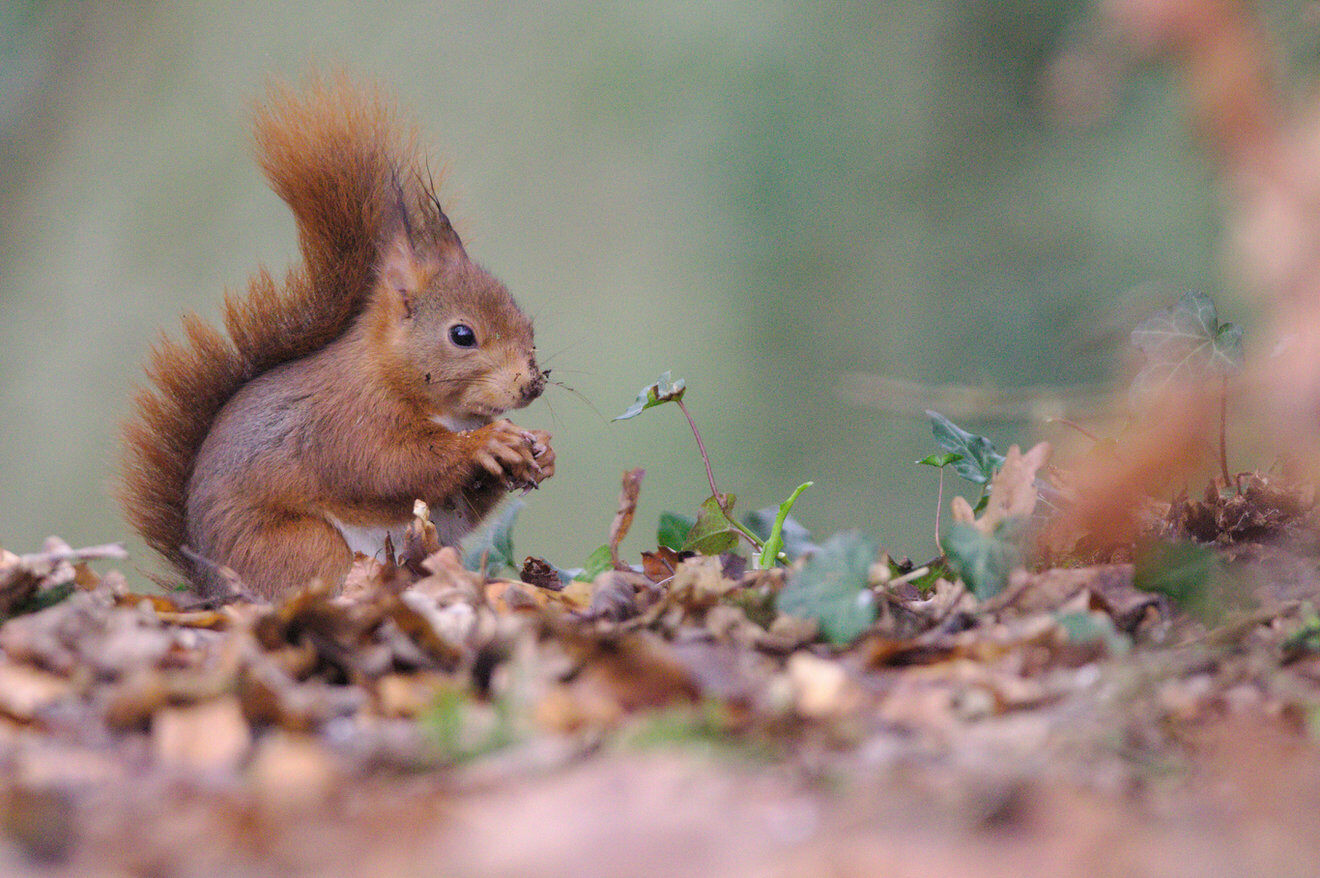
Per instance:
x=462, y=335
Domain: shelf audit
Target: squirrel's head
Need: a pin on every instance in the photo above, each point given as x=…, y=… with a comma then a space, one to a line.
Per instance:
x=455, y=340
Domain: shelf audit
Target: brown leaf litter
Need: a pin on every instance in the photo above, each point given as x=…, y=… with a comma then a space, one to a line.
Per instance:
x=317, y=701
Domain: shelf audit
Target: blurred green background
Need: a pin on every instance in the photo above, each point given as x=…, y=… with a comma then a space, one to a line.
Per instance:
x=763, y=197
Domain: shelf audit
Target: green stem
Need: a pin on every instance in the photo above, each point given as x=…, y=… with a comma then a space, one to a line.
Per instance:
x=750, y=537
x=939, y=504
x=774, y=544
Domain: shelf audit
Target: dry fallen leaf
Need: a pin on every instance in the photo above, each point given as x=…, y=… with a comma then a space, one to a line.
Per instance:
x=24, y=691
x=821, y=687
x=661, y=564
x=540, y=573
x=366, y=578
x=448, y=581
x=23, y=576
x=421, y=540
x=212, y=736
x=1012, y=491
x=628, y=494
x=293, y=772
x=407, y=695
x=572, y=707
x=636, y=671
x=511, y=597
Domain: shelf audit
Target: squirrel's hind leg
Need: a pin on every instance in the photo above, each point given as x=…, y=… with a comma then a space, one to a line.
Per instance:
x=287, y=553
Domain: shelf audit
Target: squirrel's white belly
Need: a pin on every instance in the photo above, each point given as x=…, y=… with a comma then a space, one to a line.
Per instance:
x=451, y=526
x=369, y=540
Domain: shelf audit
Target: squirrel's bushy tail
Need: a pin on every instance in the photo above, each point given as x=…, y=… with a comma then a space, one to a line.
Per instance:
x=334, y=153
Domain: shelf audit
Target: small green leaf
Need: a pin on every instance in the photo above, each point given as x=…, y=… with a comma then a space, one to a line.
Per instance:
x=978, y=461
x=832, y=588
x=981, y=562
x=713, y=532
x=776, y=541
x=1228, y=346
x=1189, y=575
x=1086, y=627
x=40, y=600
x=463, y=729
x=597, y=563
x=665, y=389
x=1305, y=638
x=940, y=461
x=935, y=571
x=494, y=541
x=1184, y=343
x=674, y=529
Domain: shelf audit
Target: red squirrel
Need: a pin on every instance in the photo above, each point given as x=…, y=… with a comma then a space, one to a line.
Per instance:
x=376, y=374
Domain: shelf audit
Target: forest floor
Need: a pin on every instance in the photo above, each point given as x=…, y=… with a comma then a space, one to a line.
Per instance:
x=665, y=720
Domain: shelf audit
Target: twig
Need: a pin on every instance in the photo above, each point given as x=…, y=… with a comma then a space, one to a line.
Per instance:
x=1075, y=426
x=1223, y=431
x=720, y=499
x=910, y=576
x=701, y=446
x=109, y=550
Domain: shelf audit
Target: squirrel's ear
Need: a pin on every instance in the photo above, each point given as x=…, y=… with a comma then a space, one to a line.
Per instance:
x=401, y=272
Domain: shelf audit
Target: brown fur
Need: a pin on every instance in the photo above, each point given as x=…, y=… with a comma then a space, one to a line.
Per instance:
x=319, y=410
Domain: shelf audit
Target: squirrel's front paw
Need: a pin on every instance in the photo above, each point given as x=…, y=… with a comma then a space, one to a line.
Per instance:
x=543, y=454
x=516, y=456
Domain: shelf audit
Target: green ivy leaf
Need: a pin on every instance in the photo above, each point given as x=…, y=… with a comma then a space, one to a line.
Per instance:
x=455, y=724
x=40, y=600
x=1086, y=627
x=1305, y=638
x=977, y=459
x=1185, y=343
x=939, y=461
x=673, y=530
x=597, y=563
x=494, y=542
x=665, y=389
x=832, y=588
x=982, y=562
x=1190, y=576
x=935, y=571
x=713, y=532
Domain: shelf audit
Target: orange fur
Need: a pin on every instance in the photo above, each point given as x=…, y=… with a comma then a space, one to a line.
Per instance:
x=341, y=395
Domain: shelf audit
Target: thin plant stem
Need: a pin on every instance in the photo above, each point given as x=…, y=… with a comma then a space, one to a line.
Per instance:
x=710, y=477
x=939, y=504
x=747, y=535
x=1064, y=422
x=701, y=446
x=1223, y=431
x=910, y=576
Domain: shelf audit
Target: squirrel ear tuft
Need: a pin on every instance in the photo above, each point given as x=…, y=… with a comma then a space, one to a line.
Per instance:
x=439, y=232
x=417, y=216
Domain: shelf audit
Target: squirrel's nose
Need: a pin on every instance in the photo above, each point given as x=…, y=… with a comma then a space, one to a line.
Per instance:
x=532, y=389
